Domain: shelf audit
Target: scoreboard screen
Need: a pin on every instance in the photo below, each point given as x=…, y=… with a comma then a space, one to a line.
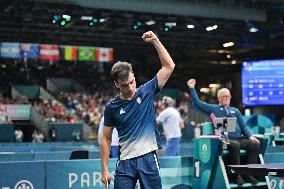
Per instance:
x=263, y=82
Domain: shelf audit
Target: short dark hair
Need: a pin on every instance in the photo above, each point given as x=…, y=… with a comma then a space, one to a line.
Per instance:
x=121, y=70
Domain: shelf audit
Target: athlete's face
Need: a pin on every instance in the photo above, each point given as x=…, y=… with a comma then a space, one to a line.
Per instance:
x=127, y=87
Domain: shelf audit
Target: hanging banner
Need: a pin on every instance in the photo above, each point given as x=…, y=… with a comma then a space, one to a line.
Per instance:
x=49, y=52
x=29, y=50
x=87, y=53
x=70, y=53
x=104, y=54
x=10, y=50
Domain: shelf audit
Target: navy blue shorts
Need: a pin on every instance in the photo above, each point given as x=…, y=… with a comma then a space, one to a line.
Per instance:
x=144, y=168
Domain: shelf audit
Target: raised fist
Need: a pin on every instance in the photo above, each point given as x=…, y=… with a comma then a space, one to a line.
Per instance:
x=149, y=36
x=191, y=83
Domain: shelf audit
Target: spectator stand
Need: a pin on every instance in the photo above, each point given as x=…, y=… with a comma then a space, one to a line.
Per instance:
x=87, y=107
x=46, y=111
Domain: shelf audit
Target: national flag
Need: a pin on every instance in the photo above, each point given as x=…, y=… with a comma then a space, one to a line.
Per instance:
x=70, y=53
x=87, y=53
x=49, y=52
x=104, y=54
x=29, y=50
x=10, y=50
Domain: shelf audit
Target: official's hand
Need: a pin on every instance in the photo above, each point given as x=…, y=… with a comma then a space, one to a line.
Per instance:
x=149, y=36
x=252, y=138
x=191, y=83
x=106, y=179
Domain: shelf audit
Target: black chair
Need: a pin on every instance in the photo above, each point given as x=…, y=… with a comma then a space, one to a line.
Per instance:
x=79, y=154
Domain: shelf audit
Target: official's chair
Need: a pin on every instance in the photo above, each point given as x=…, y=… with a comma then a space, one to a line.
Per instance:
x=220, y=169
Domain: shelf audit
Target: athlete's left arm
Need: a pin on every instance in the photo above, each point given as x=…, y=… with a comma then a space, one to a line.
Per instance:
x=105, y=151
x=167, y=63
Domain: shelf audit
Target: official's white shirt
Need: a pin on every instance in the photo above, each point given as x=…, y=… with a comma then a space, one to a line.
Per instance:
x=114, y=140
x=170, y=118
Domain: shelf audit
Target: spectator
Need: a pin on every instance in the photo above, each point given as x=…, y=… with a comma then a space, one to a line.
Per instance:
x=114, y=147
x=52, y=133
x=37, y=136
x=19, y=135
x=76, y=134
x=172, y=123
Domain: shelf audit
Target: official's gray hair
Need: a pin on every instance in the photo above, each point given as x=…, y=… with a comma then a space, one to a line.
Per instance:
x=220, y=92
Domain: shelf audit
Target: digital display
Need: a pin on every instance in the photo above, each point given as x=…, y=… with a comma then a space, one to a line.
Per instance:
x=263, y=82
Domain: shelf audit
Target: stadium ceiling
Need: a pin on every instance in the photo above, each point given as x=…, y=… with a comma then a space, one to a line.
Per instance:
x=194, y=31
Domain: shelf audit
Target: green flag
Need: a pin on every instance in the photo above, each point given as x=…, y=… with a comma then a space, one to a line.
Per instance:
x=87, y=53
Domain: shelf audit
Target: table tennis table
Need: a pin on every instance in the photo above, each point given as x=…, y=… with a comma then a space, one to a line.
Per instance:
x=270, y=169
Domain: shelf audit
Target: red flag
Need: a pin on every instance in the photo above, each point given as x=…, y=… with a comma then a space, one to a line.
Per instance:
x=49, y=52
x=104, y=54
x=70, y=53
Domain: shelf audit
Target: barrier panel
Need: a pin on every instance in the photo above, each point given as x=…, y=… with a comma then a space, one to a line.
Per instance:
x=22, y=175
x=258, y=123
x=64, y=131
x=176, y=172
x=206, y=152
x=31, y=91
x=6, y=132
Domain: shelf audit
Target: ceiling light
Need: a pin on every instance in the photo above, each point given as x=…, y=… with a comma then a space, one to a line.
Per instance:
x=214, y=27
x=170, y=24
x=228, y=56
x=253, y=30
x=228, y=44
x=214, y=85
x=209, y=28
x=56, y=18
x=137, y=24
x=102, y=20
x=190, y=26
x=66, y=17
x=62, y=23
x=86, y=17
x=204, y=90
x=150, y=22
x=93, y=22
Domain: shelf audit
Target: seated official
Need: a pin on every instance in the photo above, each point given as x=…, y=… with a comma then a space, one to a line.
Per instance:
x=240, y=139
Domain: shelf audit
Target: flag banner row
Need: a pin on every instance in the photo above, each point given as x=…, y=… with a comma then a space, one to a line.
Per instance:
x=55, y=52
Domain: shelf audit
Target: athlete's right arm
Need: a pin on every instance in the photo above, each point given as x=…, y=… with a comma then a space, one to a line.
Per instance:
x=105, y=151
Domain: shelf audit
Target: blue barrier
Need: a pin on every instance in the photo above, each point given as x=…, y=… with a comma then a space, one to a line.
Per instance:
x=176, y=172
x=64, y=131
x=11, y=156
x=6, y=132
x=22, y=175
x=40, y=156
x=42, y=147
x=258, y=123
